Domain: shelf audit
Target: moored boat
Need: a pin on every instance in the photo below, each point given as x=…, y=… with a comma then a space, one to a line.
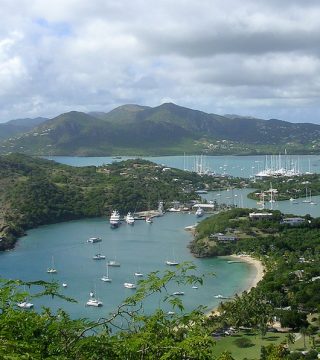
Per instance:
x=94, y=302
x=129, y=285
x=98, y=257
x=114, y=263
x=52, y=269
x=106, y=277
x=129, y=219
x=115, y=219
x=172, y=263
x=25, y=305
x=199, y=212
x=149, y=220
x=178, y=293
x=93, y=240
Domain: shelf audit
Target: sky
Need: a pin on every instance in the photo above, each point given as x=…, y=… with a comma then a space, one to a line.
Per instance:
x=252, y=57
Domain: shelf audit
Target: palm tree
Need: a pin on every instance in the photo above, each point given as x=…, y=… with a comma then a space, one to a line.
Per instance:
x=290, y=339
x=304, y=332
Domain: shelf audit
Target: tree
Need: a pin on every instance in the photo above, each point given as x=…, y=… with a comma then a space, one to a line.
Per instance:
x=32, y=335
x=290, y=339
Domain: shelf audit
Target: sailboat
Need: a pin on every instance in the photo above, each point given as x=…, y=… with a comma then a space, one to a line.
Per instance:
x=98, y=256
x=93, y=301
x=307, y=199
x=129, y=285
x=261, y=202
x=25, y=304
x=172, y=262
x=52, y=269
x=114, y=263
x=311, y=201
x=106, y=278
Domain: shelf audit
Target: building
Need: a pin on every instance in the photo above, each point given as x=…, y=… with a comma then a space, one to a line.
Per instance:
x=293, y=221
x=260, y=216
x=219, y=237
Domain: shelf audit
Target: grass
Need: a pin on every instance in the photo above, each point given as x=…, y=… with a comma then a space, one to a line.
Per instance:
x=253, y=352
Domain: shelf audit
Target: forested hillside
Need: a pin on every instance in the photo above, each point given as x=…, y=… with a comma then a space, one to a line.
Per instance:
x=162, y=130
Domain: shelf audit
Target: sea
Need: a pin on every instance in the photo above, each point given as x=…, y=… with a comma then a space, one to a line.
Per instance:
x=140, y=248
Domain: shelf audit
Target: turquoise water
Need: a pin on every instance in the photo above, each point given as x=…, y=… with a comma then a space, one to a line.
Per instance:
x=243, y=166
x=142, y=247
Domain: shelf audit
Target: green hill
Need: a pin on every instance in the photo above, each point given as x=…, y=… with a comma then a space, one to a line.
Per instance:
x=18, y=126
x=163, y=130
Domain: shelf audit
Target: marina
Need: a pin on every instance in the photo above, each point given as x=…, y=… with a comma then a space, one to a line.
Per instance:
x=242, y=166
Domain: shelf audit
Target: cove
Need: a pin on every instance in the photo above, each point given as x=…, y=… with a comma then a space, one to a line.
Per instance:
x=142, y=247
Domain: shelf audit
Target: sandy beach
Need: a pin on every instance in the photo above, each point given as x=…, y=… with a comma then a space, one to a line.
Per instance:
x=257, y=274
x=252, y=281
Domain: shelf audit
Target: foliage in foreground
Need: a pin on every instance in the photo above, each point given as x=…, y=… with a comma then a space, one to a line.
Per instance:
x=127, y=333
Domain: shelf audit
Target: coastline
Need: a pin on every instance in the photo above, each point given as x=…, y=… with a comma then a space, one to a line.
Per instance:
x=257, y=274
x=252, y=281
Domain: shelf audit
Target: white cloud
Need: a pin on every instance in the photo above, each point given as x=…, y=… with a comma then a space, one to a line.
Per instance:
x=256, y=57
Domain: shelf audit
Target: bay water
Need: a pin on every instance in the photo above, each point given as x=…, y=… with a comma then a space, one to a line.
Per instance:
x=142, y=247
x=242, y=166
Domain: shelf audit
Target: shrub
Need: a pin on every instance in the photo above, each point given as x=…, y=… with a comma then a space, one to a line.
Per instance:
x=243, y=342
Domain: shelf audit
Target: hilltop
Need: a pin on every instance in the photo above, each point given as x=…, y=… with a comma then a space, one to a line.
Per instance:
x=163, y=130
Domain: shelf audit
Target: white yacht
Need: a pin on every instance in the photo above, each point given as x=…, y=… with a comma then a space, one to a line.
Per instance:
x=115, y=219
x=129, y=219
x=138, y=274
x=199, y=212
x=178, y=293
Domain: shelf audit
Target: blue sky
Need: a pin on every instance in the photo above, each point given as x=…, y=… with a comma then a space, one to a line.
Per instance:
x=254, y=57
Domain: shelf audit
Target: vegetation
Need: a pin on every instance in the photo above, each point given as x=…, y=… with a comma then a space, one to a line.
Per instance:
x=163, y=130
x=287, y=188
x=290, y=288
x=127, y=333
x=36, y=191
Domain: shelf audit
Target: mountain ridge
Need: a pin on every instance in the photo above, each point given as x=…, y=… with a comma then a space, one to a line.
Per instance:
x=165, y=129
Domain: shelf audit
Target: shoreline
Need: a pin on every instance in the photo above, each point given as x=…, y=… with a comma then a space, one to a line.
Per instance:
x=259, y=270
x=252, y=281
